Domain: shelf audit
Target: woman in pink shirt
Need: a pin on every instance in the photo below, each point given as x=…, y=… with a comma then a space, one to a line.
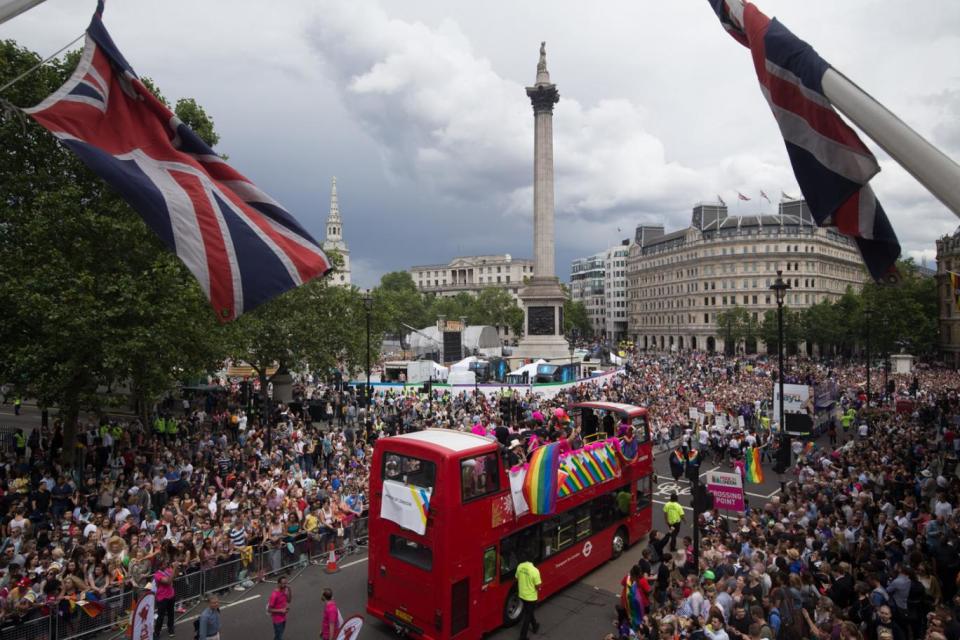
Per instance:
x=331, y=616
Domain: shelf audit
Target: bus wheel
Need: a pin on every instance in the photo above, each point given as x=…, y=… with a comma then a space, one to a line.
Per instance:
x=512, y=608
x=619, y=542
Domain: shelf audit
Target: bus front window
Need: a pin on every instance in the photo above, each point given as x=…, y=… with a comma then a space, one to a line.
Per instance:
x=640, y=432
x=407, y=470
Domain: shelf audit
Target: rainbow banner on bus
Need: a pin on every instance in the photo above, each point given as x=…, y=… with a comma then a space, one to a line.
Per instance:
x=753, y=471
x=587, y=467
x=540, y=485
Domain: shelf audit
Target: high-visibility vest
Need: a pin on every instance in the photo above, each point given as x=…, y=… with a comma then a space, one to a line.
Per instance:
x=158, y=425
x=19, y=441
x=172, y=426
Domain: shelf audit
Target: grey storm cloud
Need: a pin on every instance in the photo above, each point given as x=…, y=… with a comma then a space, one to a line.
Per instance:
x=418, y=107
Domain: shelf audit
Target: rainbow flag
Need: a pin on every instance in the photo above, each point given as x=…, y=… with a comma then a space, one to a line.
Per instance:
x=632, y=604
x=807, y=449
x=91, y=607
x=540, y=485
x=754, y=471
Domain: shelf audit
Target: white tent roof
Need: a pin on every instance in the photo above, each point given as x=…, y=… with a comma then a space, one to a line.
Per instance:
x=463, y=365
x=480, y=338
x=529, y=369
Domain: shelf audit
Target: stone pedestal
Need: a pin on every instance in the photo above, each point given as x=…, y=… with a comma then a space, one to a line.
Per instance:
x=901, y=363
x=543, y=321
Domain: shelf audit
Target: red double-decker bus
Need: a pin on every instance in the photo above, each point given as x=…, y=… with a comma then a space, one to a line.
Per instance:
x=447, y=570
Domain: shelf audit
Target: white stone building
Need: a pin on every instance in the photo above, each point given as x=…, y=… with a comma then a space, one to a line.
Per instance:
x=680, y=281
x=334, y=239
x=471, y=274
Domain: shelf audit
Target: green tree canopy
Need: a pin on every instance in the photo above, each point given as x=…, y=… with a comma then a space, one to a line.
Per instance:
x=88, y=295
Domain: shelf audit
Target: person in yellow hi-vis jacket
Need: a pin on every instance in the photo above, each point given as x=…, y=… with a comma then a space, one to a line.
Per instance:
x=528, y=588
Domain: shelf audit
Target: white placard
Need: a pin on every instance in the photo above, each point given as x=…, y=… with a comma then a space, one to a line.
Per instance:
x=406, y=504
x=741, y=422
x=708, y=407
x=694, y=414
x=351, y=628
x=142, y=620
x=520, y=505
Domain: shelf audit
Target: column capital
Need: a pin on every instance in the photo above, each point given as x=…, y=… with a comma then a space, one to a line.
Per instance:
x=543, y=97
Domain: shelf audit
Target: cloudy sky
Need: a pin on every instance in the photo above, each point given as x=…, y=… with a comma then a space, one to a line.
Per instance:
x=418, y=108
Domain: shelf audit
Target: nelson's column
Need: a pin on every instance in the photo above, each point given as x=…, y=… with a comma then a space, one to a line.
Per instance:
x=542, y=296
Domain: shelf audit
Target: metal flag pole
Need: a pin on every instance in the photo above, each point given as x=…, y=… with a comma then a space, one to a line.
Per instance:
x=938, y=173
x=12, y=8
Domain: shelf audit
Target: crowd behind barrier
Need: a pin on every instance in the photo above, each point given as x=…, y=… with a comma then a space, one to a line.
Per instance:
x=196, y=487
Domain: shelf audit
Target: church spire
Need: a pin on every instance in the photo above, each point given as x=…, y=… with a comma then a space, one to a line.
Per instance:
x=334, y=203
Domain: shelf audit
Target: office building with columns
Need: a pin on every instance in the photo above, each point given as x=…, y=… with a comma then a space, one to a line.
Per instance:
x=471, y=274
x=679, y=281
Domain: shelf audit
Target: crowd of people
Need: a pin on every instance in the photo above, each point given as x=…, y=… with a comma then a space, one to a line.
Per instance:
x=864, y=543
x=208, y=484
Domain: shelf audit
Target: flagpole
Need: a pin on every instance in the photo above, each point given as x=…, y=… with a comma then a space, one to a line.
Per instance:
x=930, y=166
x=13, y=8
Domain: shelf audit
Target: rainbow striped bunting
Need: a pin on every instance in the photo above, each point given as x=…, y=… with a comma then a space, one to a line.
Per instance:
x=540, y=485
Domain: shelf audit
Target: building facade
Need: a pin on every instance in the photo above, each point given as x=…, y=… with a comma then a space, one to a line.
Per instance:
x=587, y=278
x=680, y=281
x=948, y=260
x=471, y=274
x=334, y=242
x=615, y=292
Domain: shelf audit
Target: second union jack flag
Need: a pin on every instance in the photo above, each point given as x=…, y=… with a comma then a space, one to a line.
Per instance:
x=830, y=162
x=240, y=244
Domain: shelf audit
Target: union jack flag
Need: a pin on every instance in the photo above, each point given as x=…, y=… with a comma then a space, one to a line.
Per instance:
x=239, y=243
x=740, y=196
x=830, y=162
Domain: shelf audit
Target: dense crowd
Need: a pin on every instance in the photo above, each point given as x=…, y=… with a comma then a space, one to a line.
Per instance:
x=196, y=487
x=865, y=543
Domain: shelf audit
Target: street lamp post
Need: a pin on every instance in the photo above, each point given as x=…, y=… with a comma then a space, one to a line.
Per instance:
x=780, y=288
x=368, y=305
x=868, y=314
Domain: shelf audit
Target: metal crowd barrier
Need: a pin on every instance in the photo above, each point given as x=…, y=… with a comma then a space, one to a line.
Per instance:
x=113, y=613
x=36, y=629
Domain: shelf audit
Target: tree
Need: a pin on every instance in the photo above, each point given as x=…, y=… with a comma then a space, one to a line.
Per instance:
x=496, y=307
x=793, y=330
x=400, y=304
x=88, y=295
x=316, y=327
x=574, y=318
x=734, y=325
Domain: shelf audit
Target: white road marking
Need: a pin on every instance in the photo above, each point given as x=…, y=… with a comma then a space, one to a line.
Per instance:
x=350, y=564
x=223, y=606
